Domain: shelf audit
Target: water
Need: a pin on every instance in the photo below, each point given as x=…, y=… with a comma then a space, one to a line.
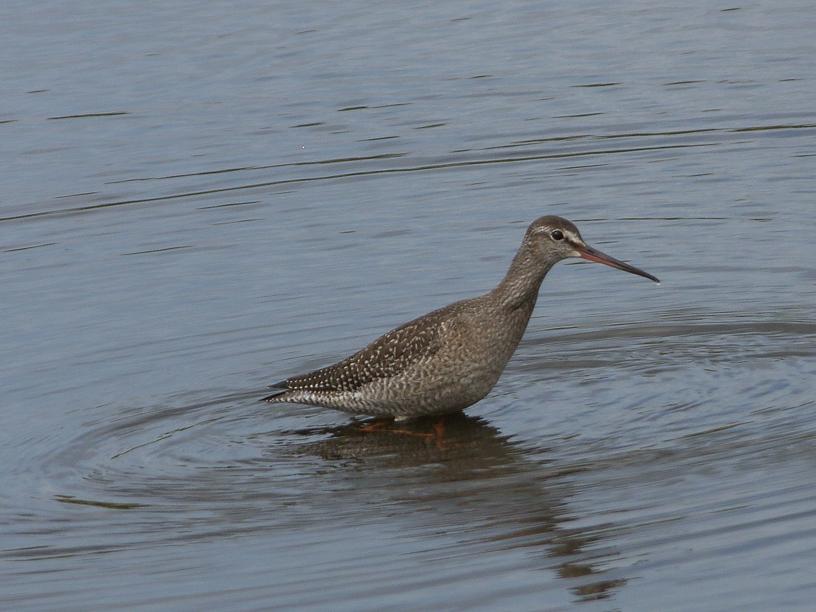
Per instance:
x=199, y=200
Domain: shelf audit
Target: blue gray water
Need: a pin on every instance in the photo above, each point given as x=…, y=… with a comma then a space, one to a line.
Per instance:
x=199, y=199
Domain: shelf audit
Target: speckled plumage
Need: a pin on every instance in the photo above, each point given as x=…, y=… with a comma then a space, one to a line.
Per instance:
x=450, y=358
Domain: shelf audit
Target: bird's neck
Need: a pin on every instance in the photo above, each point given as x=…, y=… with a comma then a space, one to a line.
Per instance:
x=520, y=285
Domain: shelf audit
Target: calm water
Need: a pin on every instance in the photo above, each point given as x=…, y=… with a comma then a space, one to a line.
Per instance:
x=199, y=199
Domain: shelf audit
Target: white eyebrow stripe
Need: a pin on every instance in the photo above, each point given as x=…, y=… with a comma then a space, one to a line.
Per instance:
x=569, y=235
x=544, y=230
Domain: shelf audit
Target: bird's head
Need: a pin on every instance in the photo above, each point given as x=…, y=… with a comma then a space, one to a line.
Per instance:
x=554, y=238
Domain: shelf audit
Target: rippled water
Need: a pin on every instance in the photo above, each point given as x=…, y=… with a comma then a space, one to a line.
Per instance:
x=200, y=199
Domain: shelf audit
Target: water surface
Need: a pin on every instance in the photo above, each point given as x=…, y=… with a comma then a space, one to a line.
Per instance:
x=199, y=200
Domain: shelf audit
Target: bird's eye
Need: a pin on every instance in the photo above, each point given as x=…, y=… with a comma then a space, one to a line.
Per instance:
x=557, y=235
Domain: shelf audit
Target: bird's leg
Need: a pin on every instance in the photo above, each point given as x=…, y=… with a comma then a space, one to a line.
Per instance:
x=439, y=433
x=375, y=425
x=435, y=435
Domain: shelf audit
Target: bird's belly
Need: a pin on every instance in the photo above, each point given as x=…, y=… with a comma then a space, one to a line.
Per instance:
x=433, y=388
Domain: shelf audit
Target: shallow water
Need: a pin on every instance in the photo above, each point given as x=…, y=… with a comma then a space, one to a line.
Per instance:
x=199, y=200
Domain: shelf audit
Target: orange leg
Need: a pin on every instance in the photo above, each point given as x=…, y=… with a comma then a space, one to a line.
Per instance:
x=439, y=433
x=436, y=434
x=373, y=426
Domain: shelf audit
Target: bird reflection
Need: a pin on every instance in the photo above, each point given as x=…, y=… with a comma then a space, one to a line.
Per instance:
x=464, y=474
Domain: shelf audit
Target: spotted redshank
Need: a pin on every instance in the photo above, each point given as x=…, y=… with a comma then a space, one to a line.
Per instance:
x=450, y=358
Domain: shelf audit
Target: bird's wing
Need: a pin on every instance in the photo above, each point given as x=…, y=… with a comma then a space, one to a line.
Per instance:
x=385, y=357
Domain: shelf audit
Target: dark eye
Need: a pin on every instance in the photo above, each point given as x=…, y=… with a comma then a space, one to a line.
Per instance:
x=557, y=235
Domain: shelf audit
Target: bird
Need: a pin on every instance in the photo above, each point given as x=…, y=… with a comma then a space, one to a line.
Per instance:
x=450, y=358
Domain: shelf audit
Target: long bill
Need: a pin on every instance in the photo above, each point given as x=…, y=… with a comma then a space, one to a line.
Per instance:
x=588, y=253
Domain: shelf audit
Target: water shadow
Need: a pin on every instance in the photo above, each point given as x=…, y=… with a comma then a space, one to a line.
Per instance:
x=460, y=474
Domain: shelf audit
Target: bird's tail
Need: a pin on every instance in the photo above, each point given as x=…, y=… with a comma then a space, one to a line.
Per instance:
x=280, y=388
